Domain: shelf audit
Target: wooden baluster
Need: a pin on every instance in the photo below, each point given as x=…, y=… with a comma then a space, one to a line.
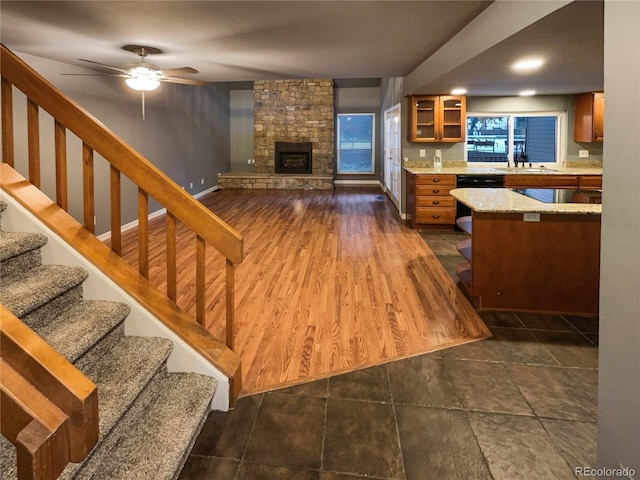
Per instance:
x=61, y=165
x=88, y=197
x=200, y=281
x=230, y=303
x=171, y=257
x=33, y=138
x=143, y=233
x=116, y=235
x=7, y=122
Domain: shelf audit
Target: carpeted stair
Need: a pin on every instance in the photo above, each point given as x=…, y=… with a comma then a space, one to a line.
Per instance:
x=149, y=418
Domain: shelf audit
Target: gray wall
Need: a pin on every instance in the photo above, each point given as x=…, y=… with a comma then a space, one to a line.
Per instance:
x=619, y=350
x=185, y=134
x=241, y=130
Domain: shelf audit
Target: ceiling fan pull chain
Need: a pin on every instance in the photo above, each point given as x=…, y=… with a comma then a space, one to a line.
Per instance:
x=142, y=104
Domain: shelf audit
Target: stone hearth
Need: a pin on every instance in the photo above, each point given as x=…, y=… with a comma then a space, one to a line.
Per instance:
x=272, y=181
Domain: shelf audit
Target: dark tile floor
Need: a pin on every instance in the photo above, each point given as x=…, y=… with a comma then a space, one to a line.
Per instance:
x=519, y=405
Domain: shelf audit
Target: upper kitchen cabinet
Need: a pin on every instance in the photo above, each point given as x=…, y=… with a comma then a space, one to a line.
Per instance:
x=589, y=117
x=435, y=118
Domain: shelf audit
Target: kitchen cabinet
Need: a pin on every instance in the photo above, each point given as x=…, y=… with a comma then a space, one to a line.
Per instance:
x=589, y=117
x=590, y=182
x=429, y=204
x=434, y=118
x=540, y=181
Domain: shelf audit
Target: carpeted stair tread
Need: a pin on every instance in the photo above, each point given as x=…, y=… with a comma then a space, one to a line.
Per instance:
x=26, y=292
x=81, y=326
x=153, y=438
x=13, y=244
x=123, y=373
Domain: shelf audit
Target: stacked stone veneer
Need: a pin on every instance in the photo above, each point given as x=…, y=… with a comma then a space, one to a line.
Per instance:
x=294, y=111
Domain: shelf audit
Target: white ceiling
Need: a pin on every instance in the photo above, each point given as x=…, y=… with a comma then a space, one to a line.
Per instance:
x=250, y=40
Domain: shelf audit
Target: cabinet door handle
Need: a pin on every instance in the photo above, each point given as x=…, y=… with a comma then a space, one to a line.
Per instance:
x=436, y=202
x=436, y=191
x=436, y=180
x=435, y=216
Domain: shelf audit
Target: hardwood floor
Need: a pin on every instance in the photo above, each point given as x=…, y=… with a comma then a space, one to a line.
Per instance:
x=332, y=281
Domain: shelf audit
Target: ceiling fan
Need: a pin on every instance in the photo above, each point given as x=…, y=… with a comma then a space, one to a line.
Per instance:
x=143, y=76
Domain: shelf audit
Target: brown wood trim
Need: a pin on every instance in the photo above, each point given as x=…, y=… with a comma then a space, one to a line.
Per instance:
x=114, y=267
x=58, y=380
x=115, y=209
x=7, y=121
x=143, y=233
x=230, y=299
x=121, y=156
x=88, y=195
x=172, y=272
x=61, y=165
x=33, y=141
x=38, y=428
x=200, y=280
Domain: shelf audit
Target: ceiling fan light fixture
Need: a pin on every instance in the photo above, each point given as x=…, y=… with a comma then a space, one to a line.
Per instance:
x=143, y=78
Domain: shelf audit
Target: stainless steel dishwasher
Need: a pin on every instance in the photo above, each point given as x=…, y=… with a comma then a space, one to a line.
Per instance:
x=475, y=181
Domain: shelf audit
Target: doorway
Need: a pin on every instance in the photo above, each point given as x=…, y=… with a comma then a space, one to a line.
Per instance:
x=391, y=150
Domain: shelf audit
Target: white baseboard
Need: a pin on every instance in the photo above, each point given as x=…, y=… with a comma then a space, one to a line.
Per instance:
x=347, y=183
x=158, y=213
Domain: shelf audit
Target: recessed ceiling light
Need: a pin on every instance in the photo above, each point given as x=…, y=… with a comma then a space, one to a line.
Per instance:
x=527, y=93
x=458, y=91
x=528, y=64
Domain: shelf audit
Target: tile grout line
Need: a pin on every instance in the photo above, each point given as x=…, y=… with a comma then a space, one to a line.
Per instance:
x=395, y=418
x=246, y=445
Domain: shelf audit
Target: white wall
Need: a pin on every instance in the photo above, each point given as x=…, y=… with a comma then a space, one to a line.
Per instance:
x=619, y=346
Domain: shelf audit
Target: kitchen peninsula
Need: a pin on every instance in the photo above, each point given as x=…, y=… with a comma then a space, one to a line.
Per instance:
x=527, y=255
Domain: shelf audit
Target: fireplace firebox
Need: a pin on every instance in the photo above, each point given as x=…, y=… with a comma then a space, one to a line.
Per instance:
x=293, y=157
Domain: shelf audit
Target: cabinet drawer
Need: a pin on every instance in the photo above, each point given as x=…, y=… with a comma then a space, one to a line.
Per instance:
x=435, y=215
x=430, y=190
x=441, y=180
x=435, y=201
x=590, y=182
x=533, y=181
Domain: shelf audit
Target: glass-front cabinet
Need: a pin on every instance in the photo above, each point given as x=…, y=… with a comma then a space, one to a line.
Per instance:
x=434, y=118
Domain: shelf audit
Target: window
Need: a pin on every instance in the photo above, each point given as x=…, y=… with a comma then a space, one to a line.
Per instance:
x=502, y=138
x=355, y=143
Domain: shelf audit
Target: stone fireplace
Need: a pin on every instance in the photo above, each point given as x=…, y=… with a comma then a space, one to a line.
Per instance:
x=295, y=113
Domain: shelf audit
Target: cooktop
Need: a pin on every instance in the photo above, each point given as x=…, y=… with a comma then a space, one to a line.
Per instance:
x=561, y=195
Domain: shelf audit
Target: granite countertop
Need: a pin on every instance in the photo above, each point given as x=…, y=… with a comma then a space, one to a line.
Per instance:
x=505, y=200
x=505, y=171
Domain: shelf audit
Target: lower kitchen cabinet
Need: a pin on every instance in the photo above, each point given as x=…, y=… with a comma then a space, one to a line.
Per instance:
x=540, y=181
x=429, y=204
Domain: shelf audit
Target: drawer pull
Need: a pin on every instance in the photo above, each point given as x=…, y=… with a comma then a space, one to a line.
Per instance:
x=435, y=216
x=436, y=180
x=436, y=202
x=436, y=191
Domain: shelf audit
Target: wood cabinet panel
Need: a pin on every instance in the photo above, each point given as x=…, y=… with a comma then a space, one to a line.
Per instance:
x=541, y=181
x=429, y=204
x=433, y=118
x=590, y=182
x=589, y=117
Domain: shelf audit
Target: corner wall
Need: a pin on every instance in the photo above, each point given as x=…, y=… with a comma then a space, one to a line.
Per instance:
x=619, y=341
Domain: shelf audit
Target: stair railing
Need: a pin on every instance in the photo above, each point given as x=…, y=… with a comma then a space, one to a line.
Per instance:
x=123, y=160
x=49, y=408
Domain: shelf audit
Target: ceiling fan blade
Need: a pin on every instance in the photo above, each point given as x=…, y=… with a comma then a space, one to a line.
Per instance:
x=184, y=81
x=169, y=72
x=121, y=70
x=97, y=74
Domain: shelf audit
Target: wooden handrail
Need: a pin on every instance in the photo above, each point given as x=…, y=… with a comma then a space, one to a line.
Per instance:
x=123, y=159
x=44, y=393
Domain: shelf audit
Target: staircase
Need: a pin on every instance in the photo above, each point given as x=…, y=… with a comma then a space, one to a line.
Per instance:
x=149, y=418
